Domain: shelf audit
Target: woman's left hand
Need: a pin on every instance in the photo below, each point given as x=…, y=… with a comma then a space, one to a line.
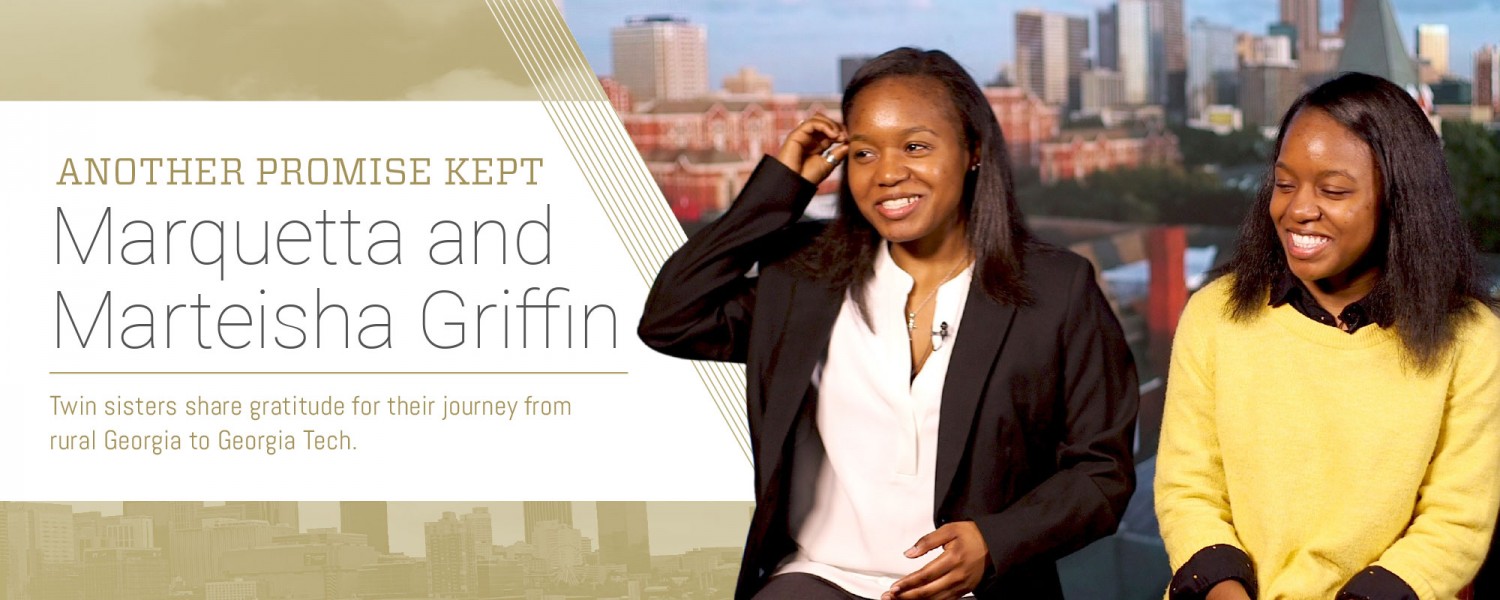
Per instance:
x=955, y=573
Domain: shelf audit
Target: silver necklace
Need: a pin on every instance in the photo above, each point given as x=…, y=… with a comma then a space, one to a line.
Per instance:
x=911, y=317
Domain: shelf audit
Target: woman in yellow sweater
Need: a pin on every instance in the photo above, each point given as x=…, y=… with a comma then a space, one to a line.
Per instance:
x=1332, y=425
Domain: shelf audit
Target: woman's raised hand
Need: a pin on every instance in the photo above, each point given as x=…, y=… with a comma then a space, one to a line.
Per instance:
x=804, y=148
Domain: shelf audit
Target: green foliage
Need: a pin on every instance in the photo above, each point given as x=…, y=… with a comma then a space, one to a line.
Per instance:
x=1201, y=147
x=1473, y=155
x=1147, y=195
x=1192, y=196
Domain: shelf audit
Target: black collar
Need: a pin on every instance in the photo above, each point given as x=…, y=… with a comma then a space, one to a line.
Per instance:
x=1288, y=289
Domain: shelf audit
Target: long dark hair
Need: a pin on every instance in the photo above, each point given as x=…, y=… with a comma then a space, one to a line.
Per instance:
x=1429, y=271
x=845, y=252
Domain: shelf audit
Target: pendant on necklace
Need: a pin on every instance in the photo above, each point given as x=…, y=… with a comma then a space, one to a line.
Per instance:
x=911, y=322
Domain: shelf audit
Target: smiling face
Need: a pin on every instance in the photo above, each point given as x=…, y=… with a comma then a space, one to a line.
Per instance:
x=1326, y=204
x=907, y=161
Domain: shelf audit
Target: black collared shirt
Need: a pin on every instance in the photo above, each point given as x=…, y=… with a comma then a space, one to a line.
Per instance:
x=1290, y=290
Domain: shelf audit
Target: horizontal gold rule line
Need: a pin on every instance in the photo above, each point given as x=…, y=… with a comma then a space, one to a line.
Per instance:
x=338, y=373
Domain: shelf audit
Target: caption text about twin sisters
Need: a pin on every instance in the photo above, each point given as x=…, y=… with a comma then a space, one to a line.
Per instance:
x=222, y=255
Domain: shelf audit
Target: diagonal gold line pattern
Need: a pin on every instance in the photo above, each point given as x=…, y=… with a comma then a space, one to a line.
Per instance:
x=610, y=165
x=718, y=375
x=733, y=391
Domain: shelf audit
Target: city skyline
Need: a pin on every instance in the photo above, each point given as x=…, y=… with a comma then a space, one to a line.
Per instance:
x=235, y=551
x=674, y=527
x=761, y=33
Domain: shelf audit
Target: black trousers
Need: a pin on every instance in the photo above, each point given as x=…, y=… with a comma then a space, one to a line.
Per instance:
x=802, y=586
x=1487, y=583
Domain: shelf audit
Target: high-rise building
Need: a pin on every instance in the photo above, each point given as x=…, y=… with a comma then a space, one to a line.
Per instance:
x=275, y=513
x=1102, y=89
x=479, y=532
x=446, y=558
x=1156, y=52
x=370, y=519
x=43, y=533
x=1050, y=54
x=1267, y=91
x=1321, y=64
x=1146, y=41
x=1374, y=45
x=1078, y=58
x=623, y=537
x=165, y=517
x=87, y=535
x=538, y=512
x=1031, y=72
x=1432, y=46
x=1109, y=38
x=1487, y=77
x=661, y=58
x=124, y=574
x=1274, y=50
x=1453, y=92
x=1288, y=31
x=197, y=552
x=1303, y=15
x=1174, y=53
x=848, y=66
x=93, y=531
x=1212, y=66
x=43, y=553
x=322, y=563
x=479, y=543
x=1136, y=50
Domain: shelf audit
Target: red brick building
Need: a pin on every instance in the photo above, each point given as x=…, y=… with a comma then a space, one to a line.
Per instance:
x=1076, y=153
x=701, y=151
x=698, y=184
x=617, y=93
x=1026, y=122
x=747, y=125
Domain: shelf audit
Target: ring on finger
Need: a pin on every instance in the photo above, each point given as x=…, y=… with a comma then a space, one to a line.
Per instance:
x=828, y=155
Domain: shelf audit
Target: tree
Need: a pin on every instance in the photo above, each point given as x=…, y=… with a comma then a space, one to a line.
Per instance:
x=1201, y=147
x=1145, y=195
x=1473, y=155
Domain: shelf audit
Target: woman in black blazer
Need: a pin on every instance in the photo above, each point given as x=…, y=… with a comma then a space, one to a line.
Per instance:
x=922, y=374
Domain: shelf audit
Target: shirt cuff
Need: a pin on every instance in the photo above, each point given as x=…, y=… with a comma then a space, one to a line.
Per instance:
x=1377, y=583
x=1209, y=567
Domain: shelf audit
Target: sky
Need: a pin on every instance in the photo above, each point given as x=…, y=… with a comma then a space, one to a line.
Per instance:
x=798, y=42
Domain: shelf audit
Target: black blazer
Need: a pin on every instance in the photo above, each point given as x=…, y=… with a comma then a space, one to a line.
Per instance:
x=1038, y=406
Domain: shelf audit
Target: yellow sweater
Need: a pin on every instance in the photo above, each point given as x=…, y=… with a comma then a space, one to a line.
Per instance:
x=1312, y=450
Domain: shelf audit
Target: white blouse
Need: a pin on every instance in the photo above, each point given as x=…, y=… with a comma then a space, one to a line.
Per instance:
x=862, y=480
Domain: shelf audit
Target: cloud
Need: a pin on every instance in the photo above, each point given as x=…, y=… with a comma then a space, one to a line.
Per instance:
x=329, y=49
x=469, y=83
